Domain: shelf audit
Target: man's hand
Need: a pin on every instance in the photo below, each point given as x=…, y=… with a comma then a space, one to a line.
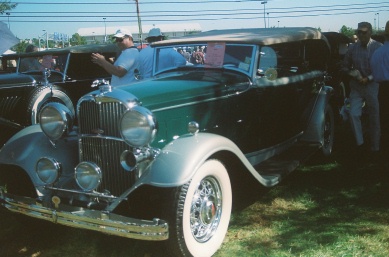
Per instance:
x=364, y=81
x=98, y=59
x=109, y=67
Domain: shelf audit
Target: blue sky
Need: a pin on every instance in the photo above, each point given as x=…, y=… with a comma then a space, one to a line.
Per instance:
x=53, y=16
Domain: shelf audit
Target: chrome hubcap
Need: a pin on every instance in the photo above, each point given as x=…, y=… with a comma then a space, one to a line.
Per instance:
x=206, y=209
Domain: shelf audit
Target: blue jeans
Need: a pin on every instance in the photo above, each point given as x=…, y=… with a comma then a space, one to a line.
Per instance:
x=368, y=94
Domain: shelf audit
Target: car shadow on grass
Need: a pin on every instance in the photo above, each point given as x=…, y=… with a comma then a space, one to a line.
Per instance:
x=330, y=205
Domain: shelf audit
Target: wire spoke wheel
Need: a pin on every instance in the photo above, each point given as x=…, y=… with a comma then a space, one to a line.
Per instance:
x=199, y=221
x=206, y=209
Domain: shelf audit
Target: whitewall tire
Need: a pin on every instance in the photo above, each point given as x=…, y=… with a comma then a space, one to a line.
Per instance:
x=203, y=211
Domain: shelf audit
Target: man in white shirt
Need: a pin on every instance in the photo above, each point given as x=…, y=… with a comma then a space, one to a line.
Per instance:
x=123, y=69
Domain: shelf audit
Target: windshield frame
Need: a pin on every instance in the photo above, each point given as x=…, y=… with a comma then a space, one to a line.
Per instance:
x=243, y=64
x=49, y=57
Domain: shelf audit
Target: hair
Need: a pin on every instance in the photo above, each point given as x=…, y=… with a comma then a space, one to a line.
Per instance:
x=366, y=25
x=31, y=48
x=154, y=39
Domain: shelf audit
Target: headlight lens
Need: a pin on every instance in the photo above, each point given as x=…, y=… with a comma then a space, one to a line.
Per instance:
x=55, y=119
x=138, y=126
x=88, y=176
x=48, y=170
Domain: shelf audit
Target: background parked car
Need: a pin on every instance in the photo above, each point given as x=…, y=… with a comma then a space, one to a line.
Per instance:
x=160, y=159
x=8, y=63
x=24, y=92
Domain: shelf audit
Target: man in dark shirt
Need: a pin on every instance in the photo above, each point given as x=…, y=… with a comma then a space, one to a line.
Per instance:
x=363, y=88
x=380, y=68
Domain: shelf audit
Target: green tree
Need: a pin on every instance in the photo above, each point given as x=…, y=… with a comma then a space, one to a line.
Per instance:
x=20, y=47
x=6, y=6
x=347, y=31
x=77, y=40
x=110, y=39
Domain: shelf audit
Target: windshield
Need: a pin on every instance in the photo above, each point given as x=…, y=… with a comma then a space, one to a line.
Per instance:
x=39, y=63
x=8, y=64
x=208, y=55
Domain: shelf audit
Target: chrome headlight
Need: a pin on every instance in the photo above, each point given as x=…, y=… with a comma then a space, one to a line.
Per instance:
x=48, y=170
x=88, y=176
x=138, y=126
x=55, y=119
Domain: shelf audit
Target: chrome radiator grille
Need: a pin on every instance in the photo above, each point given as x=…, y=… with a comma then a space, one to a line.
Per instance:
x=7, y=106
x=103, y=117
x=104, y=150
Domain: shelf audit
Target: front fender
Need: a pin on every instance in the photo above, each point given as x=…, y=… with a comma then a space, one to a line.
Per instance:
x=179, y=160
x=30, y=144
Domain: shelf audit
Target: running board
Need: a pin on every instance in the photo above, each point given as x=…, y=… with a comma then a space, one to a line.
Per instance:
x=277, y=167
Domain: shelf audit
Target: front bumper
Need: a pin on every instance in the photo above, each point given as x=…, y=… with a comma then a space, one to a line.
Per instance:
x=113, y=224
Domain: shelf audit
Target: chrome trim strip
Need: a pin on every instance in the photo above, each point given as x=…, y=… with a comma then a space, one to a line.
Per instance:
x=261, y=81
x=101, y=221
x=202, y=101
x=191, y=103
x=10, y=123
x=92, y=194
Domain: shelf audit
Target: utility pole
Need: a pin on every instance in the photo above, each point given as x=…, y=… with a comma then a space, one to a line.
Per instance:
x=105, y=31
x=139, y=23
x=264, y=12
x=8, y=14
x=47, y=39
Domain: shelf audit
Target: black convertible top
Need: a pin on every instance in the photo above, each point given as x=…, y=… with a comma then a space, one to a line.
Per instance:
x=250, y=36
x=95, y=48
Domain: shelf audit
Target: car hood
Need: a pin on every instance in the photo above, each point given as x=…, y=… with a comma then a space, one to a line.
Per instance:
x=185, y=88
x=15, y=79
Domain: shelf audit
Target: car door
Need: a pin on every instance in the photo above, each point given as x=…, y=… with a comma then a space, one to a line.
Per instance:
x=284, y=91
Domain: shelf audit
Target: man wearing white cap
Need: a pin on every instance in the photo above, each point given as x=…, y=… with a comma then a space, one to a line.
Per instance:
x=169, y=57
x=123, y=69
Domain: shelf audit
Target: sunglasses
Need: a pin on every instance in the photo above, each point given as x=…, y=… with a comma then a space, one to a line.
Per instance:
x=119, y=39
x=362, y=32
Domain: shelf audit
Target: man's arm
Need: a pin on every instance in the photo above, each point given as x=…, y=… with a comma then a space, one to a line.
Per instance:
x=109, y=67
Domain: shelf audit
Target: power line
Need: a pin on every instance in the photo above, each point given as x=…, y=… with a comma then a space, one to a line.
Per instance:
x=173, y=14
x=160, y=13
x=205, y=12
x=200, y=19
x=178, y=3
x=143, y=3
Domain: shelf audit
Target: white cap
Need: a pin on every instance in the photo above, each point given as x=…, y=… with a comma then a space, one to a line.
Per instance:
x=120, y=33
x=155, y=32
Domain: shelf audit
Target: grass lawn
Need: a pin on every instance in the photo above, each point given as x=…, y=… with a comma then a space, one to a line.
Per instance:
x=337, y=206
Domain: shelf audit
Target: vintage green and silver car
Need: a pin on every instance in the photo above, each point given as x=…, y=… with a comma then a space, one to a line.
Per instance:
x=159, y=159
